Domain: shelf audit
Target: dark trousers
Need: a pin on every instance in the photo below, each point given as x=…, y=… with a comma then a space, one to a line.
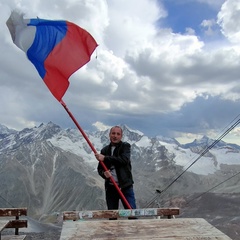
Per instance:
x=113, y=197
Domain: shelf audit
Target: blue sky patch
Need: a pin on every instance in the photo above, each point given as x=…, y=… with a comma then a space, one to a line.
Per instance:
x=189, y=14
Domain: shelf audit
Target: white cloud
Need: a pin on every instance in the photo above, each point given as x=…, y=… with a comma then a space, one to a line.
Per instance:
x=101, y=126
x=130, y=24
x=228, y=19
x=208, y=25
x=141, y=69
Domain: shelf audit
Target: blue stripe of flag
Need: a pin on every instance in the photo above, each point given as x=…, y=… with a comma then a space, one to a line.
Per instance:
x=48, y=35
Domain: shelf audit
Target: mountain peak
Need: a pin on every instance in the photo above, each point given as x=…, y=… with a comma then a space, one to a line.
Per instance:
x=5, y=130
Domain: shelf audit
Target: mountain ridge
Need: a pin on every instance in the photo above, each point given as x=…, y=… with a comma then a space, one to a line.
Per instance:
x=50, y=169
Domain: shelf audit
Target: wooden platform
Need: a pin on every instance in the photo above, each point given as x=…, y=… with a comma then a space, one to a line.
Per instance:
x=13, y=237
x=168, y=229
x=150, y=224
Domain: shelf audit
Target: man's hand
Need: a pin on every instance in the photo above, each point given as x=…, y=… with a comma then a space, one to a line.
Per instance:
x=99, y=157
x=107, y=174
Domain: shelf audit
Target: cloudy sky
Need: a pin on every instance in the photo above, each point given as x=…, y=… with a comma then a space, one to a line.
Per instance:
x=163, y=67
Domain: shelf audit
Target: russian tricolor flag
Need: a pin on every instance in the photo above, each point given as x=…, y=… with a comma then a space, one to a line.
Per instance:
x=56, y=48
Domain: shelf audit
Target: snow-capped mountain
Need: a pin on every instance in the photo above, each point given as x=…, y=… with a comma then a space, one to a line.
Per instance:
x=49, y=169
x=4, y=131
x=72, y=141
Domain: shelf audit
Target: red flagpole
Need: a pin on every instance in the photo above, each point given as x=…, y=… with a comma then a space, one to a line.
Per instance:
x=94, y=150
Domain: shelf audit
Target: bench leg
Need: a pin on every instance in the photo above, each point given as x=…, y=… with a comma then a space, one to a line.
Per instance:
x=16, y=229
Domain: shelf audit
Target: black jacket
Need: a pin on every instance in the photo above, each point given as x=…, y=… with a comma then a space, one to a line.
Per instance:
x=121, y=161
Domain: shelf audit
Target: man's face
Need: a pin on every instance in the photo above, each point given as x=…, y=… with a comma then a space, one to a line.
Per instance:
x=115, y=135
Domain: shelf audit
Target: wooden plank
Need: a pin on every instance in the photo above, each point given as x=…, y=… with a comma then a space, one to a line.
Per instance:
x=17, y=224
x=11, y=212
x=13, y=237
x=97, y=214
x=141, y=229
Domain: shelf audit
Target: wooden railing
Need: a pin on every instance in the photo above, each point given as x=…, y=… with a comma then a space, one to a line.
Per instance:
x=125, y=213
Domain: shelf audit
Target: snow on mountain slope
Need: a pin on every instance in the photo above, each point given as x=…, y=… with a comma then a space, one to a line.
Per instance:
x=185, y=157
x=71, y=140
x=205, y=164
x=143, y=142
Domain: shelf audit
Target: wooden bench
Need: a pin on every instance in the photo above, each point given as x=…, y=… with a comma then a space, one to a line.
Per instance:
x=9, y=218
x=124, y=213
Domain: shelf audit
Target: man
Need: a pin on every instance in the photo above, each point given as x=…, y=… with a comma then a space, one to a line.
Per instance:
x=116, y=157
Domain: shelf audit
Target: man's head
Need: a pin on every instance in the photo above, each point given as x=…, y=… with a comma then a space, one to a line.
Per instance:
x=115, y=135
